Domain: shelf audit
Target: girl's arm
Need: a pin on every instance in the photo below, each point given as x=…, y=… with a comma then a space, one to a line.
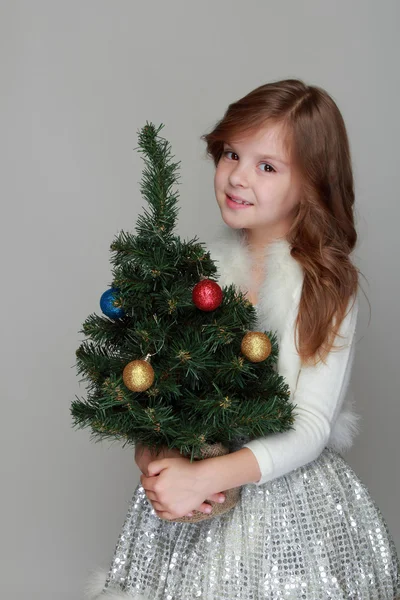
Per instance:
x=231, y=470
x=319, y=395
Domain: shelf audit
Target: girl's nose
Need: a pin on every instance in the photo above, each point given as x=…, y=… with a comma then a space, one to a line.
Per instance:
x=238, y=176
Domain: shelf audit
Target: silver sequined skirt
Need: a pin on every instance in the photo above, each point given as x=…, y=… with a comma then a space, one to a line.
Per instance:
x=314, y=533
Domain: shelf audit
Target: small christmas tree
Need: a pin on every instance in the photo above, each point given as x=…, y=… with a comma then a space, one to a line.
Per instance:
x=173, y=360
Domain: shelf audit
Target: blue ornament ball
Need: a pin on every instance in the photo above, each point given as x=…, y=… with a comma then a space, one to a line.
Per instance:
x=107, y=304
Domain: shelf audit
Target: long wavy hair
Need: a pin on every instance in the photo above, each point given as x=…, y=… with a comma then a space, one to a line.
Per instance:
x=322, y=234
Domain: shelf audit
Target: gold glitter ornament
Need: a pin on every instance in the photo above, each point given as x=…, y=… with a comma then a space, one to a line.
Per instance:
x=256, y=346
x=138, y=375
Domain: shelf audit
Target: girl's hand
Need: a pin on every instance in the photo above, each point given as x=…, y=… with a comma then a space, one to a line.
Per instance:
x=175, y=487
x=144, y=455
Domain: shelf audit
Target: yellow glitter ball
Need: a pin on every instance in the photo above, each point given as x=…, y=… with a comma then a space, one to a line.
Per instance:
x=138, y=375
x=256, y=346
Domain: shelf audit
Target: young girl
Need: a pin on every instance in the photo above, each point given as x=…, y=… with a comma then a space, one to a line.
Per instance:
x=305, y=526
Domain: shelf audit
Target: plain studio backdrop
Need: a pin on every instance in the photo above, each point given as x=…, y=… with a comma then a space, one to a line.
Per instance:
x=78, y=80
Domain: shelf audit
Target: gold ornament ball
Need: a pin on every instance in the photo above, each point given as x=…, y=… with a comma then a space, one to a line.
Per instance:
x=256, y=346
x=138, y=375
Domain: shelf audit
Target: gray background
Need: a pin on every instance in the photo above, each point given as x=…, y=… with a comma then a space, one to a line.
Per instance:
x=78, y=79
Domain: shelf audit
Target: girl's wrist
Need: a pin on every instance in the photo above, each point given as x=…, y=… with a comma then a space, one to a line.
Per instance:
x=230, y=470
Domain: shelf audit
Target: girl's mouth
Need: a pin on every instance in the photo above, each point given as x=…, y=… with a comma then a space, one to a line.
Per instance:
x=236, y=203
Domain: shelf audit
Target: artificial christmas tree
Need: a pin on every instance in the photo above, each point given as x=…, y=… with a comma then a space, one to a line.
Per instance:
x=173, y=360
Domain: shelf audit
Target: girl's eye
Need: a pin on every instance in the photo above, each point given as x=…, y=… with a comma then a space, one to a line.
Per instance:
x=268, y=165
x=228, y=152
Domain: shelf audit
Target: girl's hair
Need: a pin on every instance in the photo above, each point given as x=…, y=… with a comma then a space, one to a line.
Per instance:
x=323, y=233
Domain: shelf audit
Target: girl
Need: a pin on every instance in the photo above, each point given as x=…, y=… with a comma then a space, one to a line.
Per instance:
x=305, y=526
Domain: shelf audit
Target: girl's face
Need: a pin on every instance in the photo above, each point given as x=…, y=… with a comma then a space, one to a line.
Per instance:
x=257, y=170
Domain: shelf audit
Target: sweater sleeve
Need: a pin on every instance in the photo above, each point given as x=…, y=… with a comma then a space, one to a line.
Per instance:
x=319, y=395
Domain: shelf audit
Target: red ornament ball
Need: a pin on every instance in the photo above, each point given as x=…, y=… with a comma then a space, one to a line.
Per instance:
x=207, y=295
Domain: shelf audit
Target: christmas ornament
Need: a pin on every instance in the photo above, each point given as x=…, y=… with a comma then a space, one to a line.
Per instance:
x=110, y=305
x=138, y=375
x=256, y=346
x=207, y=295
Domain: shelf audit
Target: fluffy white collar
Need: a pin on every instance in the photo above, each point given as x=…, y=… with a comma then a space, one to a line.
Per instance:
x=283, y=274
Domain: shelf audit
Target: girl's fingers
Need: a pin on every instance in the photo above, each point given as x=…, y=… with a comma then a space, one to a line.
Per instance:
x=204, y=507
x=151, y=495
x=165, y=515
x=218, y=497
x=159, y=509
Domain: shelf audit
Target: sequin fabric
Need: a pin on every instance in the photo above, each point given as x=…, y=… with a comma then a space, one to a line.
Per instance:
x=313, y=534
